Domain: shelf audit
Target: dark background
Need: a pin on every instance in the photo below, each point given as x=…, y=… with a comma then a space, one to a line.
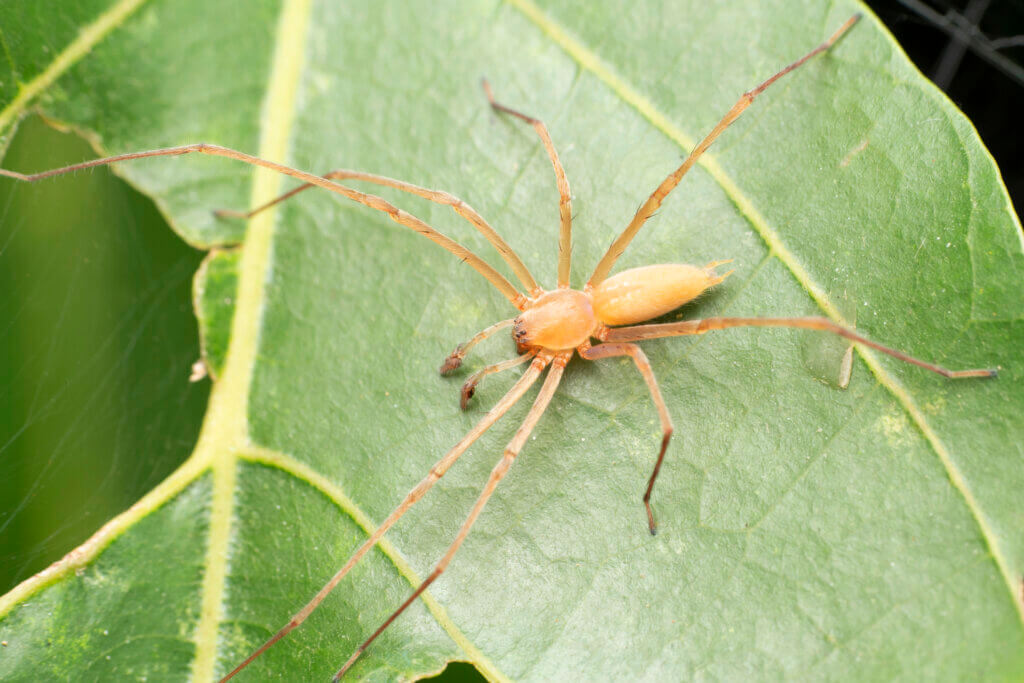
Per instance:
x=974, y=50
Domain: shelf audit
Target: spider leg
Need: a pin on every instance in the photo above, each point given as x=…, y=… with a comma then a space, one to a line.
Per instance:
x=372, y=201
x=649, y=207
x=436, y=472
x=455, y=358
x=644, y=366
x=460, y=207
x=469, y=387
x=499, y=471
x=638, y=332
x=564, y=198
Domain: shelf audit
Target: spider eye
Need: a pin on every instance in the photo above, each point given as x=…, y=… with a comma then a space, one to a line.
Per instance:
x=518, y=331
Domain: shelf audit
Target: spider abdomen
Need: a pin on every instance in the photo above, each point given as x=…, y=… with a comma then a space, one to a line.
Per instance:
x=640, y=294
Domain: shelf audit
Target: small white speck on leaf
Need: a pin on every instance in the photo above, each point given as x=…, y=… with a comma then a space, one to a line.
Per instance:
x=198, y=371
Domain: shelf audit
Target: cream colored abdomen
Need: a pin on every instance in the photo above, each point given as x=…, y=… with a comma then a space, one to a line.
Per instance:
x=640, y=294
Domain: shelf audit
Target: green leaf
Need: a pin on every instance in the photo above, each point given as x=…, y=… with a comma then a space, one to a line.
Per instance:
x=805, y=531
x=214, y=292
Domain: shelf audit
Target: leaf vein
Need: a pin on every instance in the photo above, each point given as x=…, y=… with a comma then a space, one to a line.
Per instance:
x=68, y=57
x=337, y=495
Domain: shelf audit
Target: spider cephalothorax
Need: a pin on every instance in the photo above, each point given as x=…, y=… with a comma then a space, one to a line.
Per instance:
x=558, y=320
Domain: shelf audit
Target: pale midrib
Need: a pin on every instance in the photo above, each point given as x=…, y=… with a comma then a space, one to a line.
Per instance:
x=276, y=127
x=87, y=38
x=589, y=61
x=225, y=428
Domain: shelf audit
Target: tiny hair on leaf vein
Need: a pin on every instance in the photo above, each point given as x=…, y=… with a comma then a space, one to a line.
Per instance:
x=602, y=320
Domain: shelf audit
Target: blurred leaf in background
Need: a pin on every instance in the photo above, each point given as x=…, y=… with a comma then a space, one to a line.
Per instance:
x=98, y=338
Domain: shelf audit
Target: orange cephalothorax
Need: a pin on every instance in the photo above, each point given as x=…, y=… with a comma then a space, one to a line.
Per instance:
x=640, y=294
x=561, y=319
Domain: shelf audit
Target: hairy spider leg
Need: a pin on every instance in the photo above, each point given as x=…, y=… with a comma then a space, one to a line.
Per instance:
x=564, y=198
x=374, y=202
x=638, y=332
x=455, y=358
x=644, y=366
x=499, y=471
x=469, y=387
x=459, y=206
x=436, y=472
x=650, y=207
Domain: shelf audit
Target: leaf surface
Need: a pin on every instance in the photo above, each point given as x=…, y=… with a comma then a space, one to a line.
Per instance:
x=873, y=532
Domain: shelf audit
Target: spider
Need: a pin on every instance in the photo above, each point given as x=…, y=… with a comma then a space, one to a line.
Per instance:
x=551, y=324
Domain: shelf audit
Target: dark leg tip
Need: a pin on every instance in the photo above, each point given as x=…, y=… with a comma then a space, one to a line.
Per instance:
x=468, y=390
x=650, y=517
x=451, y=364
x=993, y=372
